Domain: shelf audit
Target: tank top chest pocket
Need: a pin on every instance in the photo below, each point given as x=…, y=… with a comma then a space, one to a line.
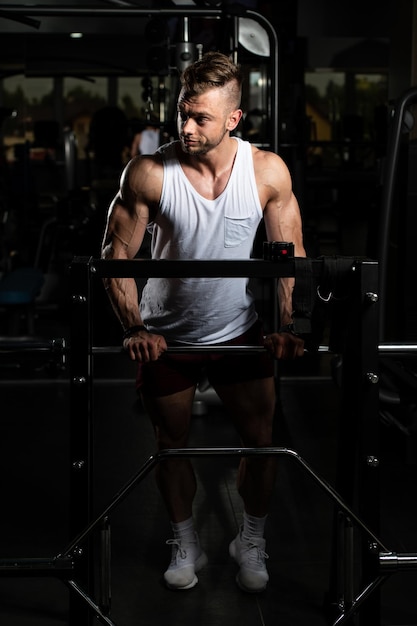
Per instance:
x=239, y=228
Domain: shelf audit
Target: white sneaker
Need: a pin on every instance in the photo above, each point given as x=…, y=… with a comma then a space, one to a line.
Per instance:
x=250, y=555
x=187, y=559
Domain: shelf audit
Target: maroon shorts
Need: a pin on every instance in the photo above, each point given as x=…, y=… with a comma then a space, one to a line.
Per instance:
x=172, y=373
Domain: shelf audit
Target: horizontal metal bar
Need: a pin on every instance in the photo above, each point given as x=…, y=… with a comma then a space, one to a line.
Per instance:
x=115, y=382
x=397, y=349
x=98, y=350
x=58, y=345
x=198, y=452
x=100, y=12
x=394, y=561
x=35, y=566
x=9, y=345
x=22, y=380
x=191, y=348
x=176, y=453
x=195, y=268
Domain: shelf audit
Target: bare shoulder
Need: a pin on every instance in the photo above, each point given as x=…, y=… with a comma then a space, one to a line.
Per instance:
x=269, y=164
x=272, y=176
x=142, y=179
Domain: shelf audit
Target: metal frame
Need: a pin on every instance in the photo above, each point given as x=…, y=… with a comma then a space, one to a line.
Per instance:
x=356, y=493
x=142, y=268
x=360, y=370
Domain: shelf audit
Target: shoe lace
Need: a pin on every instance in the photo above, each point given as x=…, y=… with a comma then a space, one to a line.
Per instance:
x=255, y=554
x=180, y=551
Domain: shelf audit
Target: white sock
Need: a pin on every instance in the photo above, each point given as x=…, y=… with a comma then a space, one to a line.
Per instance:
x=183, y=529
x=253, y=526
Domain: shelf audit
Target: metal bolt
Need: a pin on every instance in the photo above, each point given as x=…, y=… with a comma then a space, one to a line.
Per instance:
x=372, y=377
x=372, y=461
x=78, y=298
x=93, y=269
x=79, y=380
x=373, y=547
x=371, y=296
x=78, y=465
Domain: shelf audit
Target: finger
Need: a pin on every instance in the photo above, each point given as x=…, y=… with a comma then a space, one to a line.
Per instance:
x=154, y=352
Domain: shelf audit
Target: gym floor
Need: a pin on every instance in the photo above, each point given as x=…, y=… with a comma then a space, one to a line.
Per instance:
x=35, y=429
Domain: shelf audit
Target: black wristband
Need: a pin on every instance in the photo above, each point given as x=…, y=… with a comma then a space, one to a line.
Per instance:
x=133, y=330
x=288, y=328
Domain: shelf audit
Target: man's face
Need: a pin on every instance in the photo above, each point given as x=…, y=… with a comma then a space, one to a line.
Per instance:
x=203, y=121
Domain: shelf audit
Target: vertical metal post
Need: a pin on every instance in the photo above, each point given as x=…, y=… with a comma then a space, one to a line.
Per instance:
x=369, y=445
x=387, y=199
x=81, y=432
x=358, y=475
x=105, y=567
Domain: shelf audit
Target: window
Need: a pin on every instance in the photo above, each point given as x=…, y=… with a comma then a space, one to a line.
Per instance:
x=81, y=98
x=32, y=101
x=346, y=112
x=325, y=103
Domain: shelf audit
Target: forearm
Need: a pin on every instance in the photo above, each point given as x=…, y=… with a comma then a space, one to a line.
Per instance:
x=122, y=239
x=123, y=296
x=285, y=290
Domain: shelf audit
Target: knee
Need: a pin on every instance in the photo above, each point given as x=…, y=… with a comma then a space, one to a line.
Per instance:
x=172, y=437
x=258, y=433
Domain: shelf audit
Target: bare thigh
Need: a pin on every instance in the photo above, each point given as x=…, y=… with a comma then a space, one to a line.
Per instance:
x=251, y=405
x=171, y=416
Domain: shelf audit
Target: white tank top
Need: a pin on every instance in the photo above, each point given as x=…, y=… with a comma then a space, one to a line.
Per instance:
x=188, y=226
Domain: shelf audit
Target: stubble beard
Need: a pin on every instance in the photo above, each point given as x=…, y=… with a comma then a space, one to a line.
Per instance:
x=202, y=149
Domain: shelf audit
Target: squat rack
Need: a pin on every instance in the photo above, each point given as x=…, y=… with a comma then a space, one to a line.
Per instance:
x=356, y=497
x=83, y=274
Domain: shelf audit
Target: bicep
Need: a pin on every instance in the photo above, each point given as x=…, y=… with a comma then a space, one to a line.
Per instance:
x=125, y=229
x=283, y=221
x=281, y=213
x=129, y=213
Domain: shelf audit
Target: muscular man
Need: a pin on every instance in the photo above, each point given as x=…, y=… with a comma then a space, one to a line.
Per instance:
x=203, y=197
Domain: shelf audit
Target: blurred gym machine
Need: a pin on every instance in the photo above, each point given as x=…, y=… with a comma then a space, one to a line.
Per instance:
x=241, y=27
x=398, y=275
